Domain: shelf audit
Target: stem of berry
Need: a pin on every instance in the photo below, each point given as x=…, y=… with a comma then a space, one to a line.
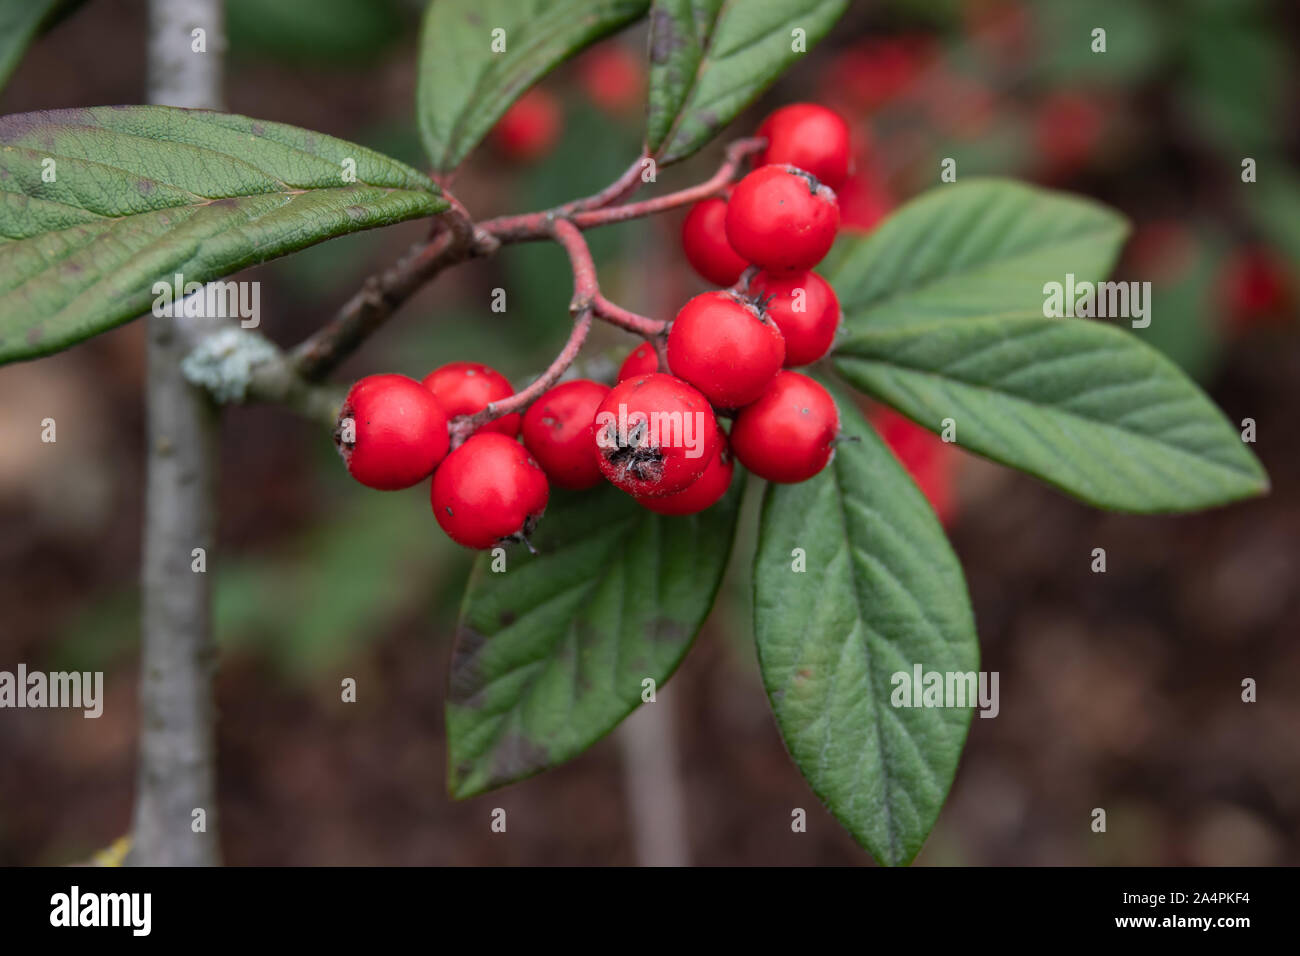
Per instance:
x=582, y=307
x=531, y=226
x=456, y=238
x=746, y=277
x=619, y=189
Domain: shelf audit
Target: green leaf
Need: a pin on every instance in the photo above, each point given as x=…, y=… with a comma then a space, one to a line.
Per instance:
x=465, y=86
x=1084, y=406
x=981, y=247
x=550, y=654
x=709, y=59
x=20, y=23
x=882, y=592
x=142, y=193
x=944, y=315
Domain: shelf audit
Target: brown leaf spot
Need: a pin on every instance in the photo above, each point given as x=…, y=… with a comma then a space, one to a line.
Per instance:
x=666, y=630
x=517, y=756
x=664, y=38
x=466, y=682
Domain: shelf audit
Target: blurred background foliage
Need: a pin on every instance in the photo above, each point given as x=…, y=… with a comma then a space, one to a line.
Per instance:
x=316, y=580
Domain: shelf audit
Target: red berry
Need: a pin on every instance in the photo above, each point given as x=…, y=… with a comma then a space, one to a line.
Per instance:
x=391, y=432
x=810, y=137
x=488, y=490
x=788, y=435
x=704, y=240
x=463, y=388
x=528, y=130
x=725, y=346
x=782, y=219
x=654, y=435
x=557, y=432
x=613, y=77
x=643, y=360
x=805, y=309
x=703, y=492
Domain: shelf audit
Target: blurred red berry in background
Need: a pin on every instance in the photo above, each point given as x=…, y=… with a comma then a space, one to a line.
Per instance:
x=613, y=77
x=959, y=106
x=530, y=128
x=1162, y=251
x=1066, y=131
x=877, y=71
x=930, y=460
x=864, y=201
x=1255, y=286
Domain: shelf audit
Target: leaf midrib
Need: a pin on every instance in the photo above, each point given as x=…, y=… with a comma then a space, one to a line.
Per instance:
x=861, y=309
x=1022, y=403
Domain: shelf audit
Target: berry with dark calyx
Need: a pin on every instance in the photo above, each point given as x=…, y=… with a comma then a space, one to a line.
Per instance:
x=726, y=346
x=811, y=137
x=391, y=432
x=557, y=432
x=782, y=219
x=528, y=130
x=643, y=360
x=704, y=492
x=489, y=490
x=789, y=434
x=704, y=240
x=463, y=388
x=654, y=435
x=806, y=310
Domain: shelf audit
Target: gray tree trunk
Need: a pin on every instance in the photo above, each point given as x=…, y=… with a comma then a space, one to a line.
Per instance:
x=175, y=821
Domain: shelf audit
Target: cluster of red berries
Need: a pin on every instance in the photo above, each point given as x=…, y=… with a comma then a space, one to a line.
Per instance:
x=654, y=435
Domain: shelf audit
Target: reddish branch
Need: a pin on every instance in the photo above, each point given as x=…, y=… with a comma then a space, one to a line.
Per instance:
x=456, y=238
x=586, y=292
x=619, y=189
x=530, y=226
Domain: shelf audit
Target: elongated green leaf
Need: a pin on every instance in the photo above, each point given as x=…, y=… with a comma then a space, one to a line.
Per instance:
x=551, y=654
x=1084, y=406
x=20, y=23
x=944, y=313
x=467, y=80
x=982, y=247
x=881, y=593
x=142, y=193
x=709, y=59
